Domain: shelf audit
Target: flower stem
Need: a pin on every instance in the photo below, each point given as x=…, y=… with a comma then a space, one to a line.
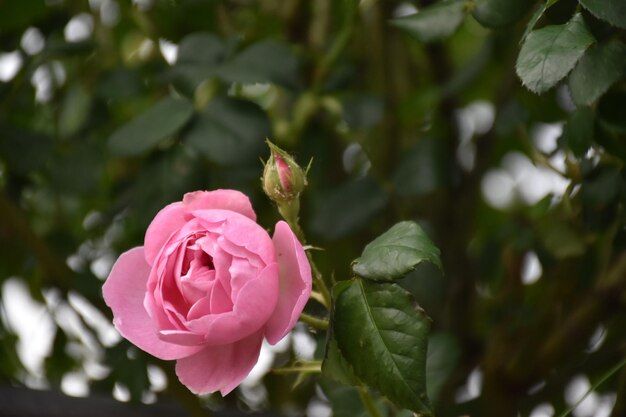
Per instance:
x=313, y=366
x=319, y=298
x=369, y=403
x=319, y=282
x=315, y=322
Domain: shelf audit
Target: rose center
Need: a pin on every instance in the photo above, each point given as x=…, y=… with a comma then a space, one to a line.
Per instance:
x=196, y=258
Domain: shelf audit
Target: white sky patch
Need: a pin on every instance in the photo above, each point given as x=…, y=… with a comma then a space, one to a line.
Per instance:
x=318, y=408
x=95, y=4
x=262, y=367
x=102, y=265
x=404, y=9
x=266, y=360
x=31, y=322
x=255, y=396
x=148, y=397
x=597, y=339
x=498, y=188
x=545, y=136
x=32, y=41
x=79, y=28
x=121, y=393
x=575, y=390
x=107, y=334
x=531, y=268
x=95, y=370
x=304, y=344
x=45, y=78
x=169, y=50
x=10, y=64
x=472, y=387
x=520, y=179
x=543, y=410
x=354, y=159
x=477, y=118
x=157, y=378
x=75, y=384
x=110, y=13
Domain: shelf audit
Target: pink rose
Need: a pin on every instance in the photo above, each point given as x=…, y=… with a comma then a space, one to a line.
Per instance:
x=206, y=288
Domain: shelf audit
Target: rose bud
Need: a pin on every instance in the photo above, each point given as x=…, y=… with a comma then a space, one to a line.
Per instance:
x=207, y=287
x=283, y=179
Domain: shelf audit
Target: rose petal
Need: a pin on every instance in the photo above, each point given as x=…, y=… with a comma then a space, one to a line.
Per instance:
x=220, y=368
x=124, y=292
x=294, y=283
x=182, y=337
x=220, y=299
x=241, y=272
x=252, y=308
x=240, y=231
x=220, y=199
x=165, y=223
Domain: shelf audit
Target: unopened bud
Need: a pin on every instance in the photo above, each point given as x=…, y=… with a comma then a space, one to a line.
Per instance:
x=283, y=179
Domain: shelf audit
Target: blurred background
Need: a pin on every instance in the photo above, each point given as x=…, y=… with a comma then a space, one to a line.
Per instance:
x=111, y=109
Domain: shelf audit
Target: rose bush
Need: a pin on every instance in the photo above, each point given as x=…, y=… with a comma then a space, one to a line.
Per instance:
x=207, y=286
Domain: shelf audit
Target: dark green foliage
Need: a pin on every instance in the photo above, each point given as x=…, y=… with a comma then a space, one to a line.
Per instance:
x=396, y=252
x=550, y=53
x=384, y=337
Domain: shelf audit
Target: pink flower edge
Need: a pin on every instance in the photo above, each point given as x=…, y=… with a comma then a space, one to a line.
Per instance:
x=173, y=216
x=294, y=281
x=220, y=368
x=124, y=292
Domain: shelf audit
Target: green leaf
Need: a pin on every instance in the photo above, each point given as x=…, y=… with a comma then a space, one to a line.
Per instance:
x=578, y=131
x=597, y=70
x=613, y=11
x=74, y=110
x=550, y=53
x=384, y=337
x=162, y=120
x=434, y=22
x=229, y=131
x=266, y=61
x=199, y=56
x=535, y=18
x=335, y=365
x=345, y=401
x=499, y=13
x=201, y=48
x=443, y=355
x=396, y=252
